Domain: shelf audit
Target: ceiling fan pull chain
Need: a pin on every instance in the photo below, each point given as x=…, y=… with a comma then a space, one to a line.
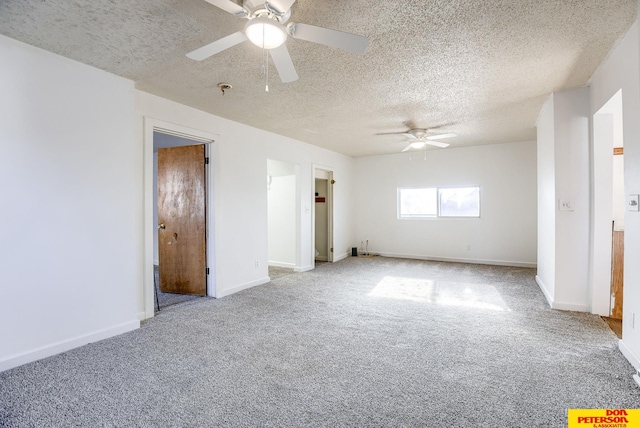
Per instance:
x=266, y=62
x=266, y=86
x=263, y=67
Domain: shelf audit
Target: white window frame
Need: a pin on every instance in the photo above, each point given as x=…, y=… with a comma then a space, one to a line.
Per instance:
x=438, y=214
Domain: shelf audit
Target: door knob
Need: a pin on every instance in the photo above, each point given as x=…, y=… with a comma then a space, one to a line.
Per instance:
x=161, y=226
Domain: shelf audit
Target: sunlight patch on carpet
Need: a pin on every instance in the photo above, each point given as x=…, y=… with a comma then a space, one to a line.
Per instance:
x=416, y=290
x=476, y=296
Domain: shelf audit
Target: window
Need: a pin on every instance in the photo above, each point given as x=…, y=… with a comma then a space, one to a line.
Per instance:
x=433, y=202
x=459, y=202
x=418, y=202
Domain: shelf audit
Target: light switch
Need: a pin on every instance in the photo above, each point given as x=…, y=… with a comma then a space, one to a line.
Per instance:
x=633, y=203
x=565, y=205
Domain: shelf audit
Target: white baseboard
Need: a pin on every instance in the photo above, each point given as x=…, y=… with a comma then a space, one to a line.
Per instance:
x=544, y=290
x=629, y=355
x=341, y=257
x=303, y=268
x=569, y=307
x=230, y=291
x=66, y=345
x=281, y=264
x=461, y=260
x=142, y=316
x=560, y=306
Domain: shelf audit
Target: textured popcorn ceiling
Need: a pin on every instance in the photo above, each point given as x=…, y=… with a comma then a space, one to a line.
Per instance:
x=481, y=69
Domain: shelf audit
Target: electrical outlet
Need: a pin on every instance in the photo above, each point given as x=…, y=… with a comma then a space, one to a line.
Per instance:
x=257, y=263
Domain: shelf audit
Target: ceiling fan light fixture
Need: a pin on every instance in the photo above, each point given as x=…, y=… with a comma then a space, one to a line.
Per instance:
x=265, y=33
x=418, y=145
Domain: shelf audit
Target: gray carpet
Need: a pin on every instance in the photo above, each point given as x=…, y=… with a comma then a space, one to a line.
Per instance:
x=363, y=343
x=276, y=272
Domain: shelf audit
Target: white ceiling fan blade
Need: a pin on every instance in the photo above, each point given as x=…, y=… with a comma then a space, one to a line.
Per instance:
x=437, y=144
x=389, y=133
x=283, y=63
x=333, y=38
x=410, y=136
x=439, y=136
x=406, y=149
x=218, y=46
x=228, y=6
x=281, y=6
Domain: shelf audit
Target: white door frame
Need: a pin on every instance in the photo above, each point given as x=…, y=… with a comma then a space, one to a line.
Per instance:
x=605, y=122
x=329, y=178
x=297, y=203
x=149, y=228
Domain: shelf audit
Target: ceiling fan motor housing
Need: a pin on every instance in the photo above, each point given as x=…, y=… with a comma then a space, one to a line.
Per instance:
x=417, y=133
x=256, y=8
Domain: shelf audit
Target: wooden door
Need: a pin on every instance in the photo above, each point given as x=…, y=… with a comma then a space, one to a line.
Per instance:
x=617, y=274
x=182, y=220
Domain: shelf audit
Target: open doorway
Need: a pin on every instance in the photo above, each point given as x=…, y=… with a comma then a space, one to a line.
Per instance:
x=282, y=217
x=323, y=215
x=608, y=210
x=187, y=136
x=179, y=210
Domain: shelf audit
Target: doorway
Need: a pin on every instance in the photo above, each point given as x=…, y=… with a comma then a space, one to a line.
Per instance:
x=608, y=209
x=323, y=215
x=282, y=212
x=168, y=134
x=180, y=213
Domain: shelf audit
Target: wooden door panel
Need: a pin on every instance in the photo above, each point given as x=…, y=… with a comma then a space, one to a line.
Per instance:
x=617, y=274
x=182, y=220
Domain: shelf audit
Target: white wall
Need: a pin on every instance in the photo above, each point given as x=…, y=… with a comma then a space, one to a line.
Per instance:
x=563, y=177
x=621, y=70
x=571, y=124
x=504, y=234
x=546, y=275
x=602, y=205
x=282, y=221
x=240, y=170
x=70, y=180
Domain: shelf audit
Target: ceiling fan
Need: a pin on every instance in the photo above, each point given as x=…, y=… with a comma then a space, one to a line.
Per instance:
x=266, y=29
x=419, y=138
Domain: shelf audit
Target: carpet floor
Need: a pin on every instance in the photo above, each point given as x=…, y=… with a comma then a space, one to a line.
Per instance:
x=276, y=272
x=376, y=342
